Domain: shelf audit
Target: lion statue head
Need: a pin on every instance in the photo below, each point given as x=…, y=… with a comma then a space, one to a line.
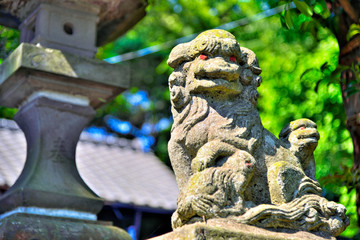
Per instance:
x=212, y=65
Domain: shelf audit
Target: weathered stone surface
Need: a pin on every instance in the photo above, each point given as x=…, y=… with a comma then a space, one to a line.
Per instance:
x=222, y=229
x=226, y=164
x=115, y=16
x=32, y=68
x=26, y=226
x=57, y=27
x=50, y=178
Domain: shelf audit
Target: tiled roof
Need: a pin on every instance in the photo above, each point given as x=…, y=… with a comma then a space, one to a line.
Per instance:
x=114, y=168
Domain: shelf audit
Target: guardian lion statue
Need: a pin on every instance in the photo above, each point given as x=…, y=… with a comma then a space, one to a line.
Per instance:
x=227, y=165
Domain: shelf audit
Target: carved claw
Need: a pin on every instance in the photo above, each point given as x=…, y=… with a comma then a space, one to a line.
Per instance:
x=312, y=216
x=337, y=221
x=336, y=209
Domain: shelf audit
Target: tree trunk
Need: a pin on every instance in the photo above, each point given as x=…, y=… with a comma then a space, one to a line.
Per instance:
x=350, y=56
x=352, y=109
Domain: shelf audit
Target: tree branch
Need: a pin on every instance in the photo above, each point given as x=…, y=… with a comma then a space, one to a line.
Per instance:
x=349, y=10
x=350, y=46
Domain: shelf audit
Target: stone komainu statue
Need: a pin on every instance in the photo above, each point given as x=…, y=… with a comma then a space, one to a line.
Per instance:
x=226, y=164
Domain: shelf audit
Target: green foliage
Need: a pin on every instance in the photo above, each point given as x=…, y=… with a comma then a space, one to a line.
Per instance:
x=334, y=163
x=348, y=199
x=287, y=93
x=9, y=40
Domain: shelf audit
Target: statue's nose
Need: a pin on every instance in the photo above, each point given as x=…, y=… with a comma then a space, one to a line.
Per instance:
x=218, y=67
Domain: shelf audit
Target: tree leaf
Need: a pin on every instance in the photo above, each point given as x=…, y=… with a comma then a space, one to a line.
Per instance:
x=324, y=66
x=317, y=85
x=321, y=9
x=288, y=19
x=303, y=8
x=309, y=70
x=353, y=30
x=335, y=75
x=351, y=91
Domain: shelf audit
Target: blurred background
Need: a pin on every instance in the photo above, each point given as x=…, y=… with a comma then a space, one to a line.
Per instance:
x=297, y=44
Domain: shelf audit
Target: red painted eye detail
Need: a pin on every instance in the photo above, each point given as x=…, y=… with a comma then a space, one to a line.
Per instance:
x=302, y=128
x=233, y=58
x=203, y=57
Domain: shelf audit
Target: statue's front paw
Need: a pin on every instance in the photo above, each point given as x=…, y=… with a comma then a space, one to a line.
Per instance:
x=335, y=209
x=337, y=225
x=337, y=221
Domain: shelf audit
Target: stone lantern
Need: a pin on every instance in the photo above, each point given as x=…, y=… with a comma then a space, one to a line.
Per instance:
x=56, y=85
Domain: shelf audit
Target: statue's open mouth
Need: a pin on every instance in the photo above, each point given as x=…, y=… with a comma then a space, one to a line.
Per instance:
x=310, y=140
x=309, y=136
x=217, y=84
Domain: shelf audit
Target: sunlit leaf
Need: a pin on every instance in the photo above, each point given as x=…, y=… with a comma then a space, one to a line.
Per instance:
x=354, y=29
x=288, y=19
x=303, y=8
x=321, y=9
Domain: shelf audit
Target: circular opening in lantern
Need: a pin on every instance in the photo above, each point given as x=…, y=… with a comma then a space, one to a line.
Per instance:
x=68, y=28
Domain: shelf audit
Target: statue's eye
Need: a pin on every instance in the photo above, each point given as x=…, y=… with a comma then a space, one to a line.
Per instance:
x=233, y=58
x=203, y=57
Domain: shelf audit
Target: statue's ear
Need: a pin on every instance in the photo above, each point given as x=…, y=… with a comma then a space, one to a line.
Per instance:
x=180, y=54
x=284, y=133
x=256, y=70
x=249, y=58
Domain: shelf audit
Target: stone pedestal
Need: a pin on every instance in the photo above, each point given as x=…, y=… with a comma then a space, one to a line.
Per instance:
x=29, y=226
x=216, y=229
